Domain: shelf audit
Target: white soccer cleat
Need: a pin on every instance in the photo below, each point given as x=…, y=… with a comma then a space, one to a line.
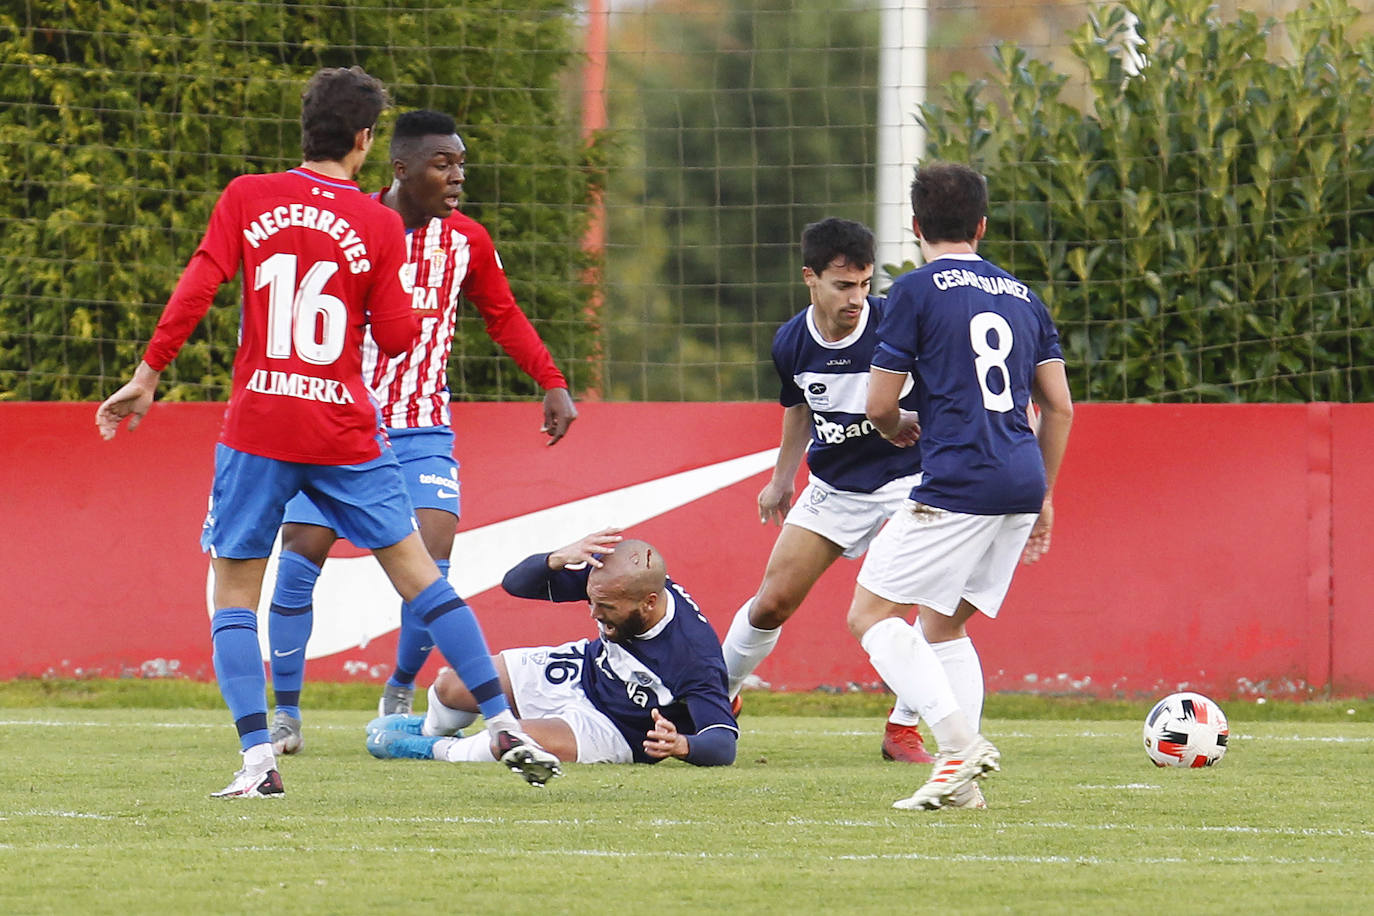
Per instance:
x=952, y=772
x=258, y=782
x=534, y=764
x=968, y=796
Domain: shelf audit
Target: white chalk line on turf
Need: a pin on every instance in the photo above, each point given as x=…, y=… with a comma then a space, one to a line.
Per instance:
x=513, y=852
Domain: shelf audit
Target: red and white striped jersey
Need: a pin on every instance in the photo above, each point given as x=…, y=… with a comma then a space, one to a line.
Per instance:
x=448, y=259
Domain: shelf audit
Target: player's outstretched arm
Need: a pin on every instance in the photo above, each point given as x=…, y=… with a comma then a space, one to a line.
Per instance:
x=132, y=400
x=559, y=413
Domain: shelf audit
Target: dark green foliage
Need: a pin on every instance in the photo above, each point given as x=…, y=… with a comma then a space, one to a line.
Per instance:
x=1204, y=230
x=122, y=121
x=755, y=119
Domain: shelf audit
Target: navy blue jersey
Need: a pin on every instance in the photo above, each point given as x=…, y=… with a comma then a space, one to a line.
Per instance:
x=676, y=667
x=973, y=335
x=831, y=378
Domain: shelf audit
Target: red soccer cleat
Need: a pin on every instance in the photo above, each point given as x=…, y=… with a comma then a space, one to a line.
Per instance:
x=903, y=743
x=736, y=705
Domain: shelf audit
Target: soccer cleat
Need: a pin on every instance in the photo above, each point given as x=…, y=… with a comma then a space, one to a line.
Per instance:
x=259, y=782
x=286, y=734
x=736, y=704
x=398, y=745
x=967, y=796
x=396, y=700
x=952, y=772
x=411, y=725
x=903, y=743
x=523, y=756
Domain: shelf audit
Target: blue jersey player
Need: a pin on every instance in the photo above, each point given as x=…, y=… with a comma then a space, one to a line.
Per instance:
x=982, y=347
x=857, y=479
x=649, y=686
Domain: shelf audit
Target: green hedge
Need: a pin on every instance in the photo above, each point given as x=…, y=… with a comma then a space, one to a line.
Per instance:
x=122, y=121
x=1202, y=230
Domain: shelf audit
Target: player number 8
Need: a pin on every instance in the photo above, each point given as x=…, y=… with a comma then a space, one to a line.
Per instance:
x=992, y=358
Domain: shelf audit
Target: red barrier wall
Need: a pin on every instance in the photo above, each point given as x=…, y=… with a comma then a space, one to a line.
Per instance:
x=1221, y=548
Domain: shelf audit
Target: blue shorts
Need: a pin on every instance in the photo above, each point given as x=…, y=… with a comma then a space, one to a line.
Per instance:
x=429, y=469
x=366, y=503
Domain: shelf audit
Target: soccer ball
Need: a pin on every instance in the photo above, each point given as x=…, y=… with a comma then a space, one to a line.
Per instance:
x=1186, y=730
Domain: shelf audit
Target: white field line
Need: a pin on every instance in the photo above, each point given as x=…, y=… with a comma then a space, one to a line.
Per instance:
x=897, y=823
x=959, y=858
x=1130, y=730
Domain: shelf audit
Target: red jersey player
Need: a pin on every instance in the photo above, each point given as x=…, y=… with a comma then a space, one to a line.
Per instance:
x=320, y=260
x=450, y=256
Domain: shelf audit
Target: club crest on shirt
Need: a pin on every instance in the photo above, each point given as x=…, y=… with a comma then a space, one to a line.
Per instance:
x=437, y=260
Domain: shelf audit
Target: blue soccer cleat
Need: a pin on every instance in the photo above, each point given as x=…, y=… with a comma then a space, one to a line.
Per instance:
x=399, y=745
x=397, y=722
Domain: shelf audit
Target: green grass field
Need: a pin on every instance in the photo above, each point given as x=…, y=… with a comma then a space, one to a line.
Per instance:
x=104, y=810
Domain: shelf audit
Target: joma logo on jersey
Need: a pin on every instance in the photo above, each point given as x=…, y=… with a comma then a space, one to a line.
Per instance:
x=835, y=433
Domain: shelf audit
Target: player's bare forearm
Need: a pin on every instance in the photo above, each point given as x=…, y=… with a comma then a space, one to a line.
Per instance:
x=132, y=400
x=1050, y=389
x=559, y=414
x=776, y=497
x=585, y=550
x=898, y=426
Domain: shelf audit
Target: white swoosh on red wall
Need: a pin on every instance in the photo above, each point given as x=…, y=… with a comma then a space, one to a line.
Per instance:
x=360, y=605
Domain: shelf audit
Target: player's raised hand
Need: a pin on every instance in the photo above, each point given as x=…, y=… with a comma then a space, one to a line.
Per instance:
x=559, y=413
x=587, y=550
x=132, y=400
x=664, y=740
x=774, y=501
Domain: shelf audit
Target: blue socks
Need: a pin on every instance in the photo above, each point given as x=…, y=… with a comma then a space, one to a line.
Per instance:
x=414, y=643
x=238, y=668
x=454, y=629
x=289, y=626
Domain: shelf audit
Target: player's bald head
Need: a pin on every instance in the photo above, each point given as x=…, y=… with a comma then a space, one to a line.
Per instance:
x=635, y=569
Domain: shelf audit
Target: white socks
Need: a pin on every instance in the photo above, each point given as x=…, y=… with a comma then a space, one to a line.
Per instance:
x=259, y=755
x=441, y=720
x=962, y=666
x=903, y=658
x=745, y=647
x=472, y=749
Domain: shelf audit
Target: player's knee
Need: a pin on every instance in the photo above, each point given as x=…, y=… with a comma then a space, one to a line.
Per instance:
x=448, y=688
x=770, y=611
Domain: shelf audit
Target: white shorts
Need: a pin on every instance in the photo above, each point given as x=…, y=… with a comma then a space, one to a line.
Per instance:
x=934, y=557
x=845, y=518
x=547, y=684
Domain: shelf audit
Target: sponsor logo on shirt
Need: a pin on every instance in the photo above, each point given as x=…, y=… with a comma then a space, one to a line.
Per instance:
x=832, y=433
x=295, y=385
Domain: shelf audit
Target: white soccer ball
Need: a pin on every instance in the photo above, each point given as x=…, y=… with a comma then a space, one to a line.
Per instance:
x=1186, y=730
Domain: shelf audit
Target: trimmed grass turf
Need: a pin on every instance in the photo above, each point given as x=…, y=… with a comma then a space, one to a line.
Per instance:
x=105, y=811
